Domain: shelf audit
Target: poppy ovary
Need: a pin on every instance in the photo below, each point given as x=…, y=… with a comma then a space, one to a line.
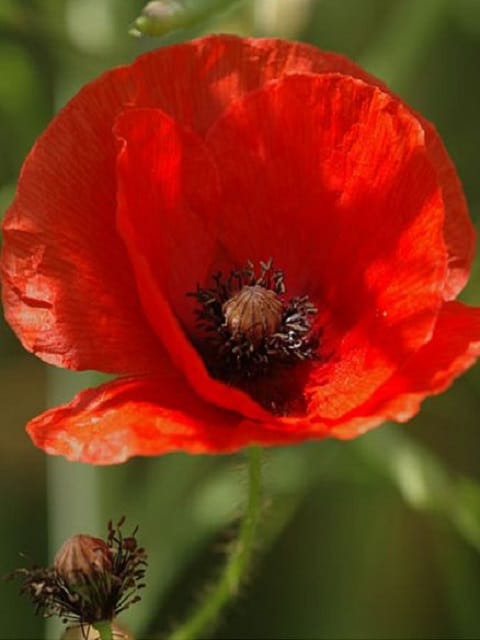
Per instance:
x=81, y=558
x=253, y=313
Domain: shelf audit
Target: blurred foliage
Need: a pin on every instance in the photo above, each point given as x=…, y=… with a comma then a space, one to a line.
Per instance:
x=376, y=538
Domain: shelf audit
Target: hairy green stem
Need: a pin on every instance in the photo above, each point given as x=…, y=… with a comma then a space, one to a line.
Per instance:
x=228, y=584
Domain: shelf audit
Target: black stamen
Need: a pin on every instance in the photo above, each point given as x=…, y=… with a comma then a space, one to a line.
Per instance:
x=248, y=334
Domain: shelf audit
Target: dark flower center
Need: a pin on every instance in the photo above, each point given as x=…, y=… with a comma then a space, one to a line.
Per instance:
x=249, y=328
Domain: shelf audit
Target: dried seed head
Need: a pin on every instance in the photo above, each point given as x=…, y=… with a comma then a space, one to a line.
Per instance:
x=254, y=312
x=91, y=581
x=81, y=558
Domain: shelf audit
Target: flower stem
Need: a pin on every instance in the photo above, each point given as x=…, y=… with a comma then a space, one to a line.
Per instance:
x=104, y=629
x=228, y=584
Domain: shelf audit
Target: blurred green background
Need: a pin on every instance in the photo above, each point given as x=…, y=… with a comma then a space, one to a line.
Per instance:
x=375, y=538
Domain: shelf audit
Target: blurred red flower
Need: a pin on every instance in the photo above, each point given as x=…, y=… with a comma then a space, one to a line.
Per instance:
x=163, y=178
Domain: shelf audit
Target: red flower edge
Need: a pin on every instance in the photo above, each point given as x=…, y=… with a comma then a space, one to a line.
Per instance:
x=94, y=278
x=149, y=416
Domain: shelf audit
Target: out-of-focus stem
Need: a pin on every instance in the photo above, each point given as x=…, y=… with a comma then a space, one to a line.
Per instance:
x=72, y=489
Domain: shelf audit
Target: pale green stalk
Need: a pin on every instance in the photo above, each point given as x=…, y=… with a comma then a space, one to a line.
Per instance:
x=104, y=628
x=72, y=489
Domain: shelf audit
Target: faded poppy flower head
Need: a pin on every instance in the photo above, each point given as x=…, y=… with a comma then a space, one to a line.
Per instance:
x=260, y=239
x=90, y=581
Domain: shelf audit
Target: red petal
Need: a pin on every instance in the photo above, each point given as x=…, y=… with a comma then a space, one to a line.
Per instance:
x=460, y=234
x=454, y=347
x=144, y=416
x=181, y=351
x=344, y=198
x=194, y=82
x=151, y=416
x=169, y=232
x=68, y=288
x=168, y=203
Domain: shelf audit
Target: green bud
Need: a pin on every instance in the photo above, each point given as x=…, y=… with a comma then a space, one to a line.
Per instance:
x=161, y=17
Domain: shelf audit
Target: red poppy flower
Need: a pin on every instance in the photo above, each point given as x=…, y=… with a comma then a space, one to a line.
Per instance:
x=261, y=239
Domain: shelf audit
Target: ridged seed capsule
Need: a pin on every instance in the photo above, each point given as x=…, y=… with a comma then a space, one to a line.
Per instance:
x=254, y=312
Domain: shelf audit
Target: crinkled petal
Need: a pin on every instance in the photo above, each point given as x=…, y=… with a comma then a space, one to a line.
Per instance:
x=454, y=347
x=168, y=203
x=151, y=416
x=168, y=239
x=460, y=234
x=330, y=177
x=144, y=416
x=68, y=288
x=63, y=209
x=194, y=82
x=184, y=356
